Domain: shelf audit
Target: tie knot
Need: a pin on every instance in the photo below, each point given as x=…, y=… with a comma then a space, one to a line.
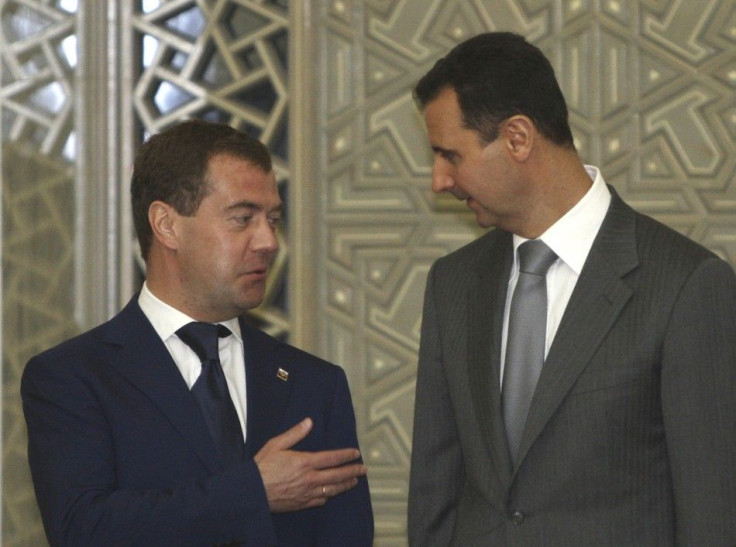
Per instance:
x=535, y=257
x=202, y=338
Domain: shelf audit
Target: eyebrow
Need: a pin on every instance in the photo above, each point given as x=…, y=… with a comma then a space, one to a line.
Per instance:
x=253, y=205
x=441, y=150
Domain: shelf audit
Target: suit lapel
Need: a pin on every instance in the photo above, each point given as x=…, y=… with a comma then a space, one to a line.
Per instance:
x=597, y=300
x=146, y=363
x=487, y=297
x=268, y=391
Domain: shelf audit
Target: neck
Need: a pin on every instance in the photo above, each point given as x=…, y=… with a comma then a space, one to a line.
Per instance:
x=558, y=181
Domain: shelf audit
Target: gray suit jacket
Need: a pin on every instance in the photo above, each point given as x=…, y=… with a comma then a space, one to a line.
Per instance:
x=631, y=435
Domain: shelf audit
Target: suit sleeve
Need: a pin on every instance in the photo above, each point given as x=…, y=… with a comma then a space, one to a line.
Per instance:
x=437, y=472
x=699, y=405
x=346, y=519
x=72, y=457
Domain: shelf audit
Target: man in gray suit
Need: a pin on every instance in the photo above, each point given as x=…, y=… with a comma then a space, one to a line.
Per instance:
x=629, y=437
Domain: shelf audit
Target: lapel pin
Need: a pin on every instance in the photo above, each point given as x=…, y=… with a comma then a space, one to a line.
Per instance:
x=282, y=375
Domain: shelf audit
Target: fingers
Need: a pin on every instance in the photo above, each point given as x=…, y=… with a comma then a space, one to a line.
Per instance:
x=329, y=483
x=332, y=458
x=339, y=480
x=316, y=460
x=295, y=480
x=292, y=482
x=338, y=475
x=326, y=492
x=314, y=493
x=304, y=493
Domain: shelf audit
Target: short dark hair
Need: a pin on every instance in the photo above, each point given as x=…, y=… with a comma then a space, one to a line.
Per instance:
x=497, y=75
x=172, y=165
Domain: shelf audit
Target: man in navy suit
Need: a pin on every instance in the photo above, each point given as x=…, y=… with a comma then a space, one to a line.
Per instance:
x=121, y=453
x=627, y=432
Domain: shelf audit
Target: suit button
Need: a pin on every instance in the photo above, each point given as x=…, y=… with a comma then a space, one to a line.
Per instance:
x=517, y=517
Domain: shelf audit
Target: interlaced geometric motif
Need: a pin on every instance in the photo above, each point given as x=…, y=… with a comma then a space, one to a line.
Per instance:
x=652, y=93
x=224, y=61
x=38, y=52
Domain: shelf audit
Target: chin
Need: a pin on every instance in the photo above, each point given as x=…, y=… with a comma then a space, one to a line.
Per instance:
x=484, y=222
x=250, y=303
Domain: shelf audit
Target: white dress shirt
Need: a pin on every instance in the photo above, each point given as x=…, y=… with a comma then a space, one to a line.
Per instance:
x=571, y=238
x=167, y=320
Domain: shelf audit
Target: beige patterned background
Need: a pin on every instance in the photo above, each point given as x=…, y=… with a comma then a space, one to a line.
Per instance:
x=651, y=87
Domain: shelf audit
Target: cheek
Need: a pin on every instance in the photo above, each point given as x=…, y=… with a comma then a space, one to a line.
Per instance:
x=474, y=181
x=233, y=252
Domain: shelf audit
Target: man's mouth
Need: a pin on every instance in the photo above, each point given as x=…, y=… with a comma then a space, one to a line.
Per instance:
x=257, y=272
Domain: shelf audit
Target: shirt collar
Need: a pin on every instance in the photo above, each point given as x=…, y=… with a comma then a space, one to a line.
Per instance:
x=166, y=320
x=572, y=236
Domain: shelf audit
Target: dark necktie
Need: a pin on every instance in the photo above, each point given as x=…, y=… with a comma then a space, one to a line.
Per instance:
x=211, y=393
x=526, y=338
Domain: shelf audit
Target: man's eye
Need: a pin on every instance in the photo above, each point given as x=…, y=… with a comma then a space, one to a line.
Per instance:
x=274, y=221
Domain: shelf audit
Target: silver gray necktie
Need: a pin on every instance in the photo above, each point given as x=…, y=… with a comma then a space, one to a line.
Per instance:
x=526, y=338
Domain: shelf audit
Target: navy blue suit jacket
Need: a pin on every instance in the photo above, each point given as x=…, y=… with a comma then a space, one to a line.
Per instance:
x=120, y=454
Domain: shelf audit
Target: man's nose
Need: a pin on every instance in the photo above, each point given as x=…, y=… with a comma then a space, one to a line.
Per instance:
x=442, y=180
x=265, y=239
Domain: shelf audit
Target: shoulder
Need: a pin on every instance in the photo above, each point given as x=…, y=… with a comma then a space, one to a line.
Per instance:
x=654, y=241
x=639, y=247
x=73, y=349
x=262, y=346
x=671, y=259
x=90, y=349
x=657, y=261
x=657, y=241
x=60, y=371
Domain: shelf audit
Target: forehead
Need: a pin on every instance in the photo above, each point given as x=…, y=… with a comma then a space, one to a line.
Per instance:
x=443, y=112
x=230, y=173
x=445, y=126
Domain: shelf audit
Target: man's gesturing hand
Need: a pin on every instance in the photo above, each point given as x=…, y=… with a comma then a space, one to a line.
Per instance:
x=297, y=480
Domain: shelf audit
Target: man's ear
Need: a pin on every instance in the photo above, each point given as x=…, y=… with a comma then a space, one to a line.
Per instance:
x=163, y=219
x=520, y=134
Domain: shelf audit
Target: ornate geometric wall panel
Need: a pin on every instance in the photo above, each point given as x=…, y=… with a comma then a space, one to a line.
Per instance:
x=650, y=87
x=652, y=92
x=38, y=52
